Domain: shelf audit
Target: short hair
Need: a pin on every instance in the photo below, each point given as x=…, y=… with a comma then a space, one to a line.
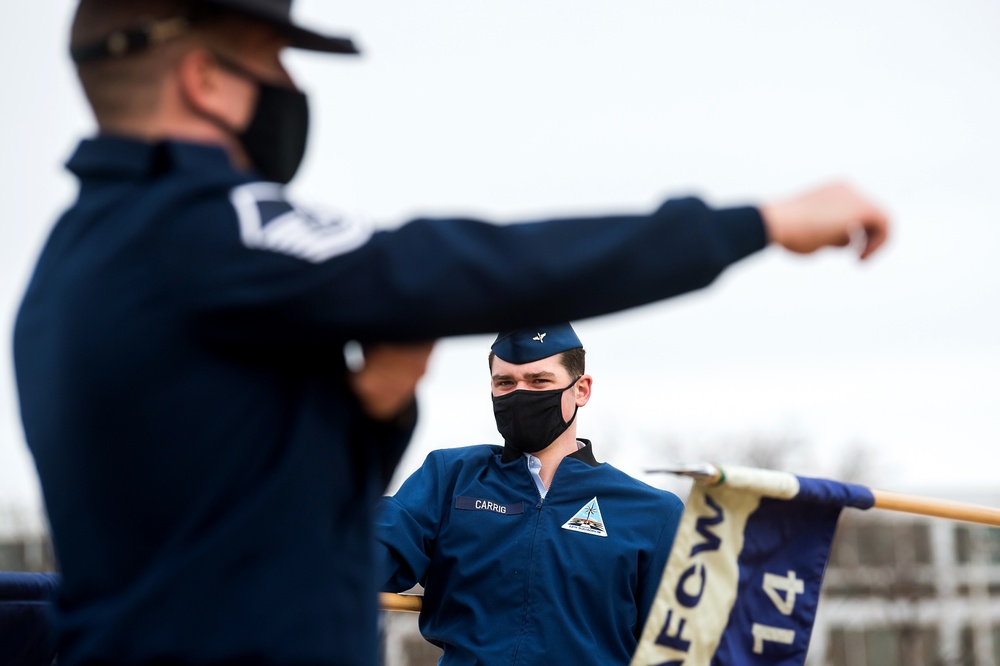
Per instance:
x=129, y=86
x=574, y=360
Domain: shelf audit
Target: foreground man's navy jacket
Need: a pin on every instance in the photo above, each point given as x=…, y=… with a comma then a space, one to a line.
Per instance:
x=208, y=475
x=513, y=579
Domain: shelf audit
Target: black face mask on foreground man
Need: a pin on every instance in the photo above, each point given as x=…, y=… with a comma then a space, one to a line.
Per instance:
x=275, y=139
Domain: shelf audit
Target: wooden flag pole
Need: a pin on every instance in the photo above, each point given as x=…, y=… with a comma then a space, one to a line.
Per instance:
x=407, y=603
x=710, y=474
x=925, y=506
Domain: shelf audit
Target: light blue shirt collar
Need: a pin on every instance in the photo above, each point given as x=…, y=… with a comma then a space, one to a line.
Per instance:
x=535, y=467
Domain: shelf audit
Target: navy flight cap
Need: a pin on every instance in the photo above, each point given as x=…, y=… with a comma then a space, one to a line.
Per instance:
x=531, y=344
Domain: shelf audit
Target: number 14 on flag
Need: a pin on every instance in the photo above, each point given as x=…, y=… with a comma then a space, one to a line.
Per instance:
x=774, y=587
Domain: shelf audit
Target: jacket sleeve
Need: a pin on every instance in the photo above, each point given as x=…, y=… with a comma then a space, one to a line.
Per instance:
x=290, y=277
x=384, y=442
x=650, y=575
x=406, y=527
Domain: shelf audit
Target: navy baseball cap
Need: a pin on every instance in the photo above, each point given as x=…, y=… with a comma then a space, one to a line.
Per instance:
x=275, y=13
x=525, y=345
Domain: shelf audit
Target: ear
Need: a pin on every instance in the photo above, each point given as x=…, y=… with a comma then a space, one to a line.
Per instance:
x=210, y=91
x=197, y=80
x=583, y=387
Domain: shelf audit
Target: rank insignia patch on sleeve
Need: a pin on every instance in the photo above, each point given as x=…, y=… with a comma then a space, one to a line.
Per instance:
x=268, y=221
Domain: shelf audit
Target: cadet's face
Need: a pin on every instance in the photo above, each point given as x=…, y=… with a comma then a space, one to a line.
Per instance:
x=543, y=375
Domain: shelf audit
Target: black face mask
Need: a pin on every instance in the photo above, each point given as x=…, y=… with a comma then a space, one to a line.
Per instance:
x=531, y=420
x=275, y=139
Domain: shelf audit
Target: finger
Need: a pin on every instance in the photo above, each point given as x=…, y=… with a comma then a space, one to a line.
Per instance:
x=876, y=233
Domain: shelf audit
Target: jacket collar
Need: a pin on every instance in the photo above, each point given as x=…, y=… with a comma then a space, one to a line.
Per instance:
x=117, y=156
x=584, y=455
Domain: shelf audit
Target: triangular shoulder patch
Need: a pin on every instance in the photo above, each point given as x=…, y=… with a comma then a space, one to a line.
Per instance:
x=588, y=520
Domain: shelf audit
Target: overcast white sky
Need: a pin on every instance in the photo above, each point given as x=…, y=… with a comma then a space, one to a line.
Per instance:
x=515, y=110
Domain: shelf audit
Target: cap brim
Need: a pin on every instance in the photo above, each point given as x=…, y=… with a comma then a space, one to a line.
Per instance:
x=298, y=37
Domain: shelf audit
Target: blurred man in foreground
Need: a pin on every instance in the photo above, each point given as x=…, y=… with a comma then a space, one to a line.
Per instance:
x=209, y=462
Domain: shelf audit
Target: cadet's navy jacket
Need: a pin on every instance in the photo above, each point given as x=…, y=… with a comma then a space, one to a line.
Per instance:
x=208, y=476
x=510, y=578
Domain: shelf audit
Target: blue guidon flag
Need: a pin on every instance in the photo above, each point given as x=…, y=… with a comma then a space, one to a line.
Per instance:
x=743, y=579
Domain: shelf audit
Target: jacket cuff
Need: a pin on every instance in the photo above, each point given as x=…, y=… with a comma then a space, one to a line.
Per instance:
x=742, y=232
